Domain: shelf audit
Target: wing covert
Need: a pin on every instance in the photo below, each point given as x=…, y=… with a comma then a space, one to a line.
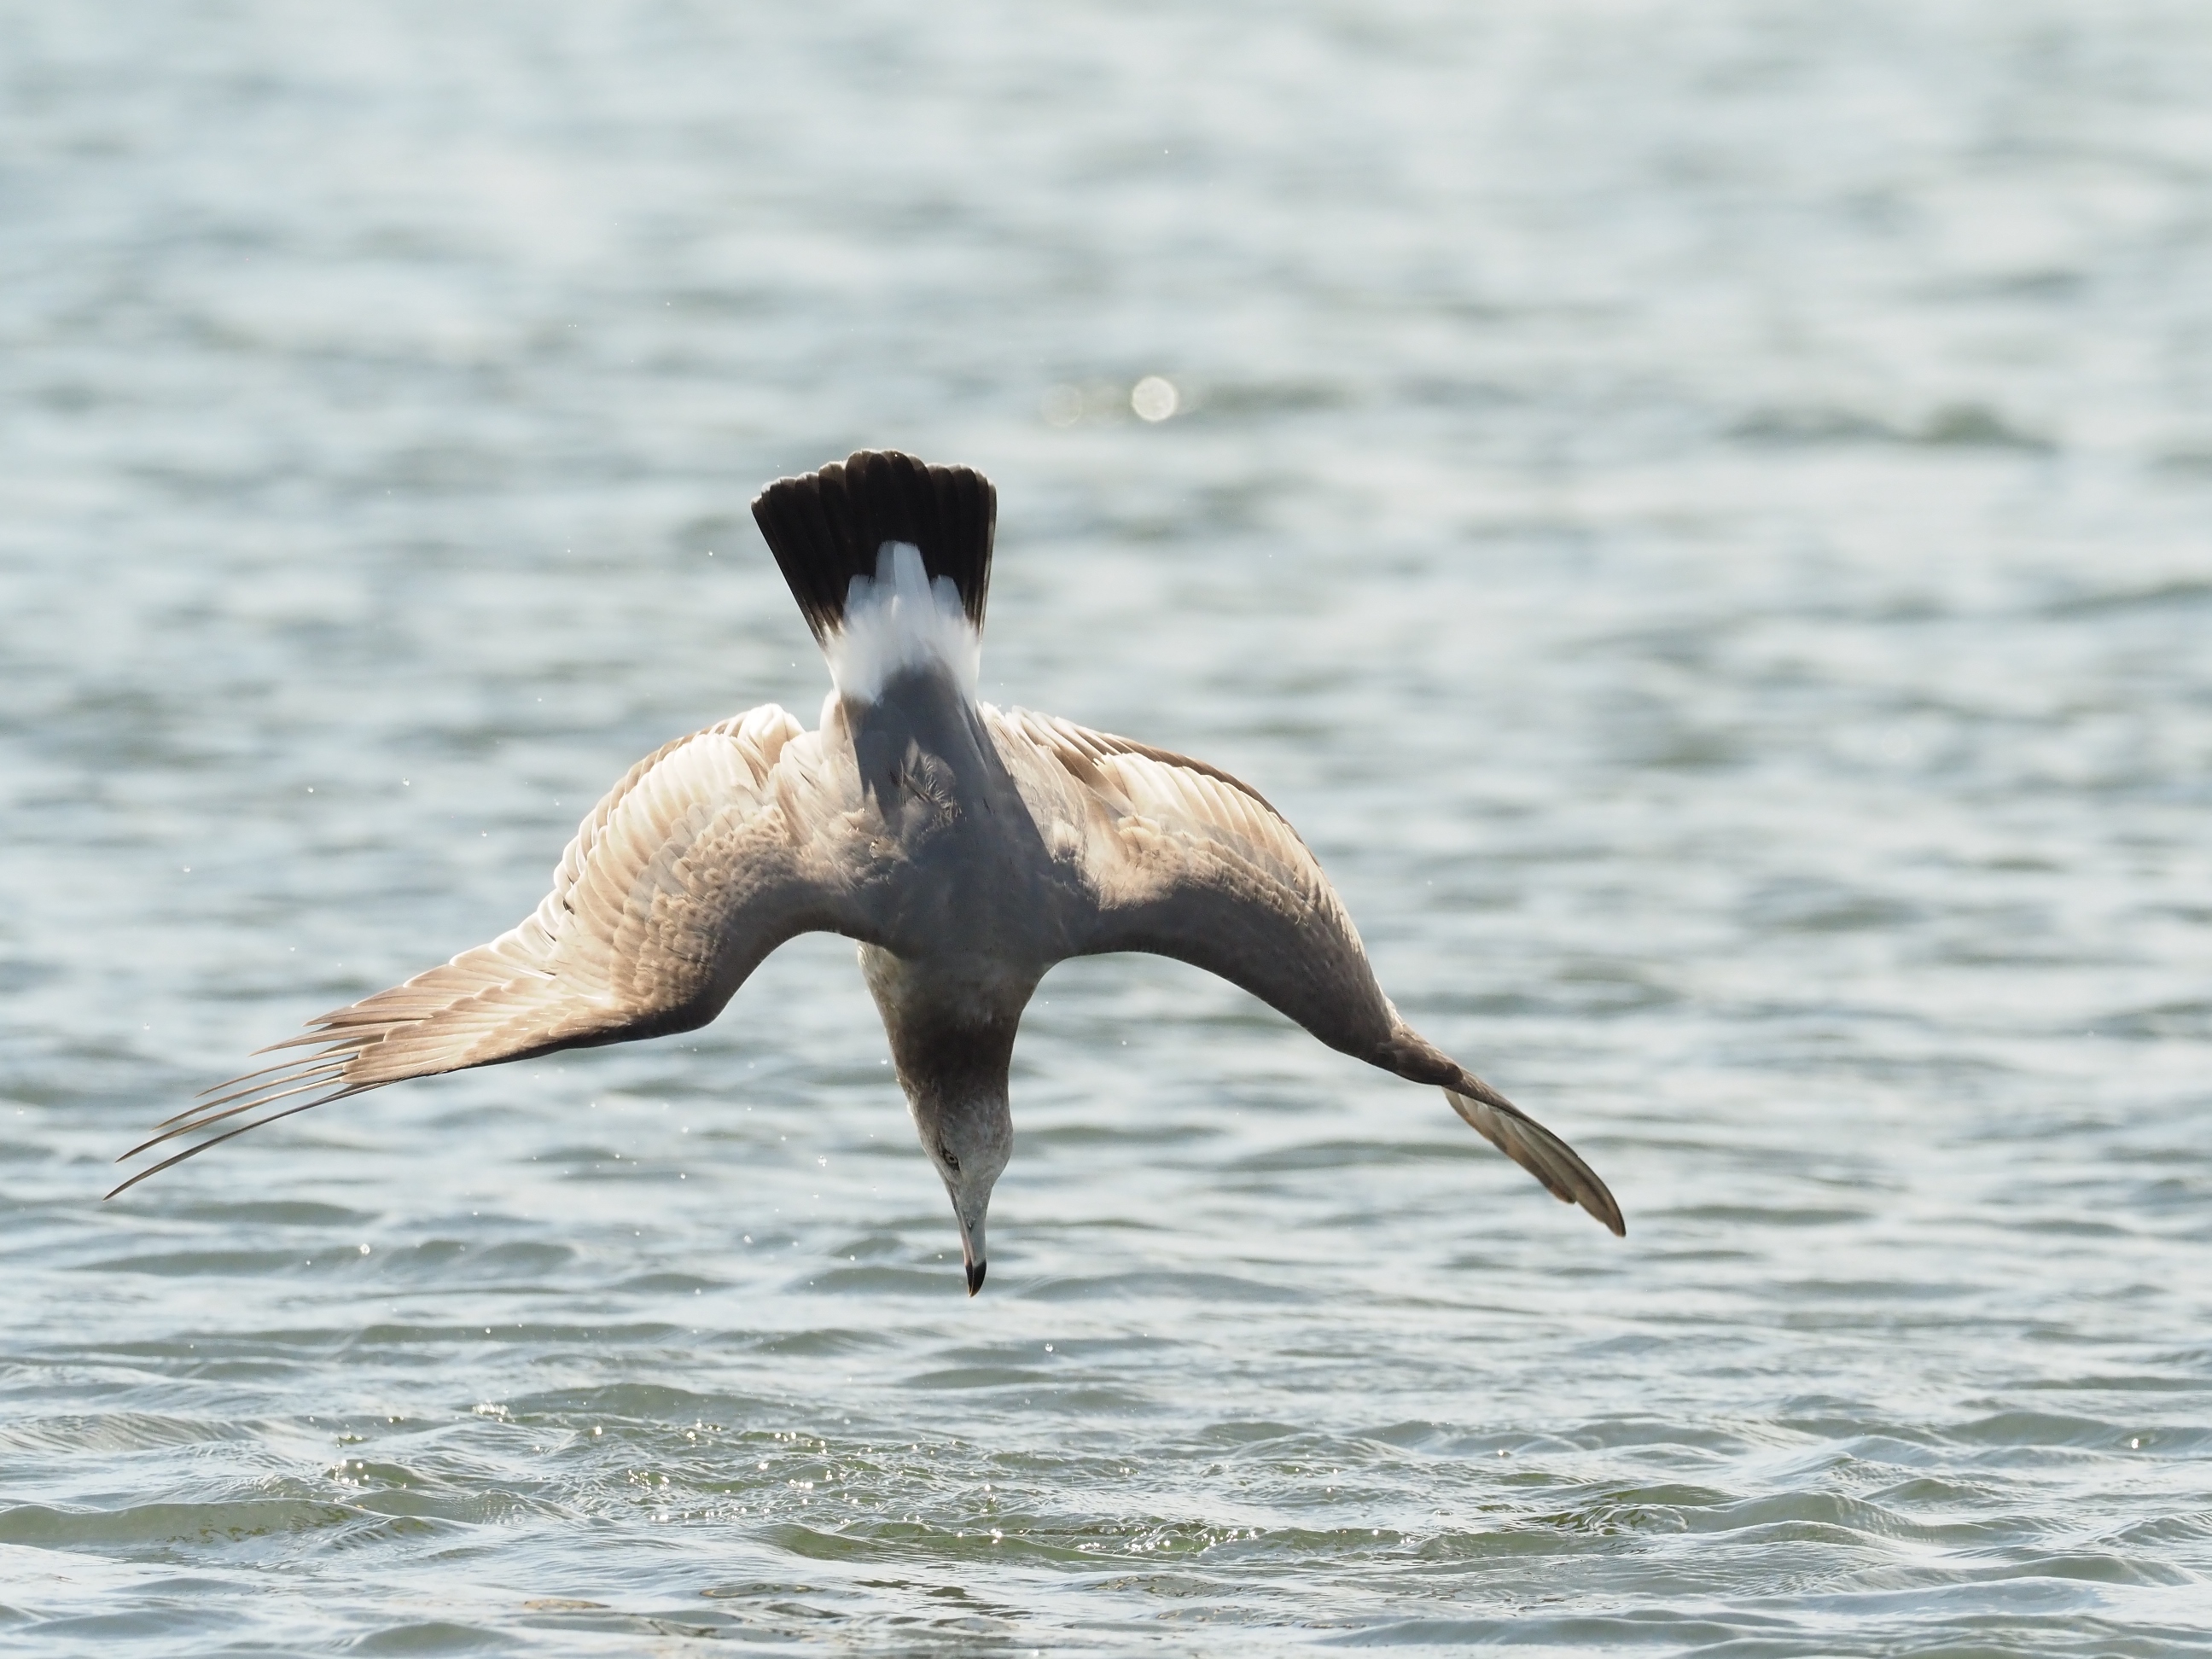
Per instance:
x=1183, y=860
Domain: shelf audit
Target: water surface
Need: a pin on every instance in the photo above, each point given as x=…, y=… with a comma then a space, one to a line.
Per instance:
x=1703, y=516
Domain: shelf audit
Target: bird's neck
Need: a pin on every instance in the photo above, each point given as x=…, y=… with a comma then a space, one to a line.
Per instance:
x=950, y=1020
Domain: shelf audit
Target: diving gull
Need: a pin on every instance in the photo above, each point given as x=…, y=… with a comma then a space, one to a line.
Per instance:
x=966, y=848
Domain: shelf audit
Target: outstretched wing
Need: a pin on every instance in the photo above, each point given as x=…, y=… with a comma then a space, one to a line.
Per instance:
x=1183, y=860
x=700, y=862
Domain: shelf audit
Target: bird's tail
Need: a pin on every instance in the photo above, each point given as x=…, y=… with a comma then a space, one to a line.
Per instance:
x=828, y=527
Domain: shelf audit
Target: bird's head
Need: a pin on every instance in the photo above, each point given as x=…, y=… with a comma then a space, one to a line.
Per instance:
x=970, y=1149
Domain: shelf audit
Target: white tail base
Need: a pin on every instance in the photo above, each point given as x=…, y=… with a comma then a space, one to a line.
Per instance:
x=900, y=619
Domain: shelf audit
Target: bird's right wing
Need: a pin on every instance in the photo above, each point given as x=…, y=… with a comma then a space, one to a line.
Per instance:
x=1182, y=859
x=698, y=864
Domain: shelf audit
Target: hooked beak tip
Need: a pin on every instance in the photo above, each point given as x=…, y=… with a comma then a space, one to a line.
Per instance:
x=976, y=1276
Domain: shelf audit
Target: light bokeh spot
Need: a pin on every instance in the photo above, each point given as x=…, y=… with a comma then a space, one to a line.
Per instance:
x=1153, y=398
x=1063, y=405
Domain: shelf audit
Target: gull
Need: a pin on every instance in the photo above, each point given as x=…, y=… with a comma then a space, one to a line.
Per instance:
x=966, y=848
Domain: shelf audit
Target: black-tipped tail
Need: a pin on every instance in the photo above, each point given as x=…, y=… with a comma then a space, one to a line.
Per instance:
x=829, y=527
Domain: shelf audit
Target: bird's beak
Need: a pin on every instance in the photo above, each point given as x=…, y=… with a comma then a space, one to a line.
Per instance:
x=971, y=1252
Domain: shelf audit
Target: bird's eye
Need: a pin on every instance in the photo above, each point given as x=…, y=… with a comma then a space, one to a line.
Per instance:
x=951, y=1161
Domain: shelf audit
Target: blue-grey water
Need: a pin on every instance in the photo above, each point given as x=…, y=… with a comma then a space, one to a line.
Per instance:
x=1701, y=513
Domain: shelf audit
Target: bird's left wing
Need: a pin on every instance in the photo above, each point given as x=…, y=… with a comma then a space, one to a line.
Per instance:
x=1178, y=859
x=706, y=857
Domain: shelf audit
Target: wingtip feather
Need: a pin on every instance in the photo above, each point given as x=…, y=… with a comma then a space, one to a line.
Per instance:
x=217, y=1140
x=1557, y=1166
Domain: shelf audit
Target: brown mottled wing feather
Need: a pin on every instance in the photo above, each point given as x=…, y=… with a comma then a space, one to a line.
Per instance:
x=700, y=862
x=1183, y=860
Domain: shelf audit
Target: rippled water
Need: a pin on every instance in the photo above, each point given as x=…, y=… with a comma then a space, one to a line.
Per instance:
x=1703, y=515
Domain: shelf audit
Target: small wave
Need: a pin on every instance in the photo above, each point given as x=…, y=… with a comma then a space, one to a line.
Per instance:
x=154, y=1523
